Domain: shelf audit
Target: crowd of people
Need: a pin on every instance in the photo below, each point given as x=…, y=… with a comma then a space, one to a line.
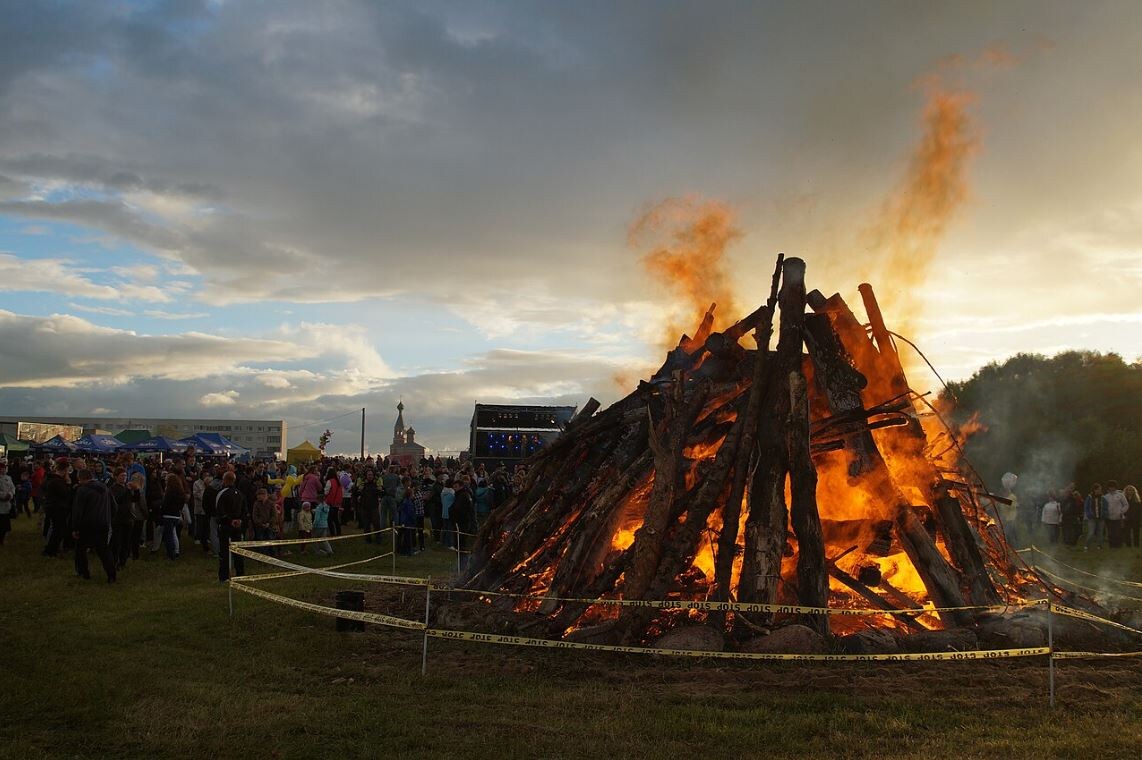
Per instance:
x=120, y=506
x=1107, y=517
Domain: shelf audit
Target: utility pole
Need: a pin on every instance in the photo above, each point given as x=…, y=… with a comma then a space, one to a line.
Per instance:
x=362, y=432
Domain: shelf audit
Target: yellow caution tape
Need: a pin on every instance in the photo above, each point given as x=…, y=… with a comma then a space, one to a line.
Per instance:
x=364, y=617
x=1080, y=570
x=1072, y=612
x=523, y=641
x=288, y=541
x=295, y=573
x=1069, y=582
x=777, y=609
x=507, y=640
x=1077, y=655
x=668, y=604
x=394, y=579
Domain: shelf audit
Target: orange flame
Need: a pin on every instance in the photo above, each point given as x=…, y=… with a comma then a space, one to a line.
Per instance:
x=912, y=221
x=685, y=240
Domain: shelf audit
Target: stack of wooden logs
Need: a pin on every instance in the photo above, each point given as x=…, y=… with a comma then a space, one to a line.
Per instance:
x=725, y=437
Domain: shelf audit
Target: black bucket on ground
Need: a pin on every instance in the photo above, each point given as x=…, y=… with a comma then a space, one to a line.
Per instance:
x=354, y=601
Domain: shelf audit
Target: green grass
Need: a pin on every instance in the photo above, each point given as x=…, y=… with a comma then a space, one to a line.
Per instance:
x=154, y=666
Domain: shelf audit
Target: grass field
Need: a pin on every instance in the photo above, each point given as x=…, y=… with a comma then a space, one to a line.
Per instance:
x=154, y=666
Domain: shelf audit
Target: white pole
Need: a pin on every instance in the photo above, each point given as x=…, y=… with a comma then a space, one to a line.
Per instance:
x=424, y=649
x=1051, y=652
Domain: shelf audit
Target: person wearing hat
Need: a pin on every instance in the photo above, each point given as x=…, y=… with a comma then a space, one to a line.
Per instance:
x=7, y=499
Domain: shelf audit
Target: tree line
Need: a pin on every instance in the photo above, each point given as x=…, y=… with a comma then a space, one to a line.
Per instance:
x=1074, y=417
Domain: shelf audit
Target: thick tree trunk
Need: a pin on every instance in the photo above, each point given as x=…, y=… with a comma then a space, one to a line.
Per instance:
x=812, y=576
x=940, y=578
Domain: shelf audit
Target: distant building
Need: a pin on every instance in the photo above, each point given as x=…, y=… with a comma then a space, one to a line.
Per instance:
x=262, y=437
x=404, y=448
x=510, y=433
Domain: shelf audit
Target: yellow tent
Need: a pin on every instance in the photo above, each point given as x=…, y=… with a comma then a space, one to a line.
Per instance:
x=302, y=453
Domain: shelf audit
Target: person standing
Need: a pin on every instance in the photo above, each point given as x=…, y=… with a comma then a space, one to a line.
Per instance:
x=1133, y=515
x=1072, y=509
x=320, y=527
x=23, y=482
x=230, y=511
x=304, y=524
x=1116, y=508
x=209, y=507
x=390, y=482
x=58, y=497
x=333, y=498
x=463, y=515
x=39, y=474
x=368, y=502
x=121, y=525
x=137, y=488
x=310, y=489
x=1094, y=512
x=7, y=500
x=174, y=500
x=262, y=515
x=447, y=497
x=91, y=518
x=1052, y=518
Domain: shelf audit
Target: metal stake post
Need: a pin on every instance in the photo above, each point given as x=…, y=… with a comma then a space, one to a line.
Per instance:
x=1051, y=652
x=394, y=534
x=229, y=581
x=424, y=649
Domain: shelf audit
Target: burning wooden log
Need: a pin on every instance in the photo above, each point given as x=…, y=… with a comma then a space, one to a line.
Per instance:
x=643, y=500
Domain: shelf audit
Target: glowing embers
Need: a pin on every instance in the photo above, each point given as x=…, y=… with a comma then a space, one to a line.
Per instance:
x=631, y=514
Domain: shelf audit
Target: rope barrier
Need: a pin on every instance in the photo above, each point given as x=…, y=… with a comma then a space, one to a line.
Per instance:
x=1103, y=592
x=295, y=573
x=1092, y=618
x=1058, y=561
x=291, y=541
x=367, y=578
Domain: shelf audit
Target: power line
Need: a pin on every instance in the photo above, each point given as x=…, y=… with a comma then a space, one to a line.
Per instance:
x=326, y=422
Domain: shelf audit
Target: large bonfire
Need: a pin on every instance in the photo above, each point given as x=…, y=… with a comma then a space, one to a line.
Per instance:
x=806, y=474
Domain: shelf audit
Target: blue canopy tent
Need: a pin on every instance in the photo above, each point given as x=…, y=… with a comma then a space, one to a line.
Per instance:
x=204, y=446
x=98, y=444
x=56, y=445
x=158, y=444
x=215, y=444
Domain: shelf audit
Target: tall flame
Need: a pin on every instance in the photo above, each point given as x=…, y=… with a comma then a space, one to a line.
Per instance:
x=904, y=237
x=685, y=240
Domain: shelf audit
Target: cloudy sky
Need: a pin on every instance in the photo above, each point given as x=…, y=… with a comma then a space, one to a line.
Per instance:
x=294, y=209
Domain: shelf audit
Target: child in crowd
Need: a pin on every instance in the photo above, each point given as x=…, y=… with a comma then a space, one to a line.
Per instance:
x=24, y=493
x=321, y=527
x=305, y=523
x=406, y=523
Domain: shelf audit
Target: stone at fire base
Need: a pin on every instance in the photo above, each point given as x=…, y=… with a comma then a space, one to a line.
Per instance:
x=697, y=638
x=872, y=641
x=948, y=640
x=1016, y=632
x=790, y=639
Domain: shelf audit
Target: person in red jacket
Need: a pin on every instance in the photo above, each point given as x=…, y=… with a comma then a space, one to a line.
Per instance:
x=333, y=498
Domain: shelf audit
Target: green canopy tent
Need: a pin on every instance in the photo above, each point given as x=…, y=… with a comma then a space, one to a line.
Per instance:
x=135, y=435
x=10, y=446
